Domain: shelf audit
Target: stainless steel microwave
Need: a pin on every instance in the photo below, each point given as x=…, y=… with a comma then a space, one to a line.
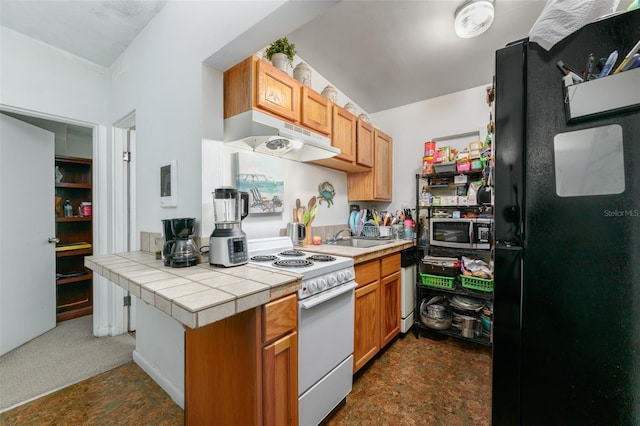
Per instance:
x=472, y=233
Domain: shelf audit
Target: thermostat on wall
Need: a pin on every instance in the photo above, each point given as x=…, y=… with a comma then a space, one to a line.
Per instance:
x=169, y=184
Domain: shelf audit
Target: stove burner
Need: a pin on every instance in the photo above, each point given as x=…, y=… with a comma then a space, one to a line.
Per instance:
x=292, y=263
x=291, y=253
x=321, y=258
x=265, y=258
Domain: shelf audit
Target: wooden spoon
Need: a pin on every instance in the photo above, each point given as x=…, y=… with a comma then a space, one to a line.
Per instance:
x=297, y=216
x=312, y=202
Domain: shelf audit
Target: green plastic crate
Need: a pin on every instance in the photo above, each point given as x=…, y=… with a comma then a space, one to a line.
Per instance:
x=474, y=283
x=437, y=281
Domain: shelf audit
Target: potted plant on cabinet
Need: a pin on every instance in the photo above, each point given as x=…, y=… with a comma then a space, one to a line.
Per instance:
x=281, y=53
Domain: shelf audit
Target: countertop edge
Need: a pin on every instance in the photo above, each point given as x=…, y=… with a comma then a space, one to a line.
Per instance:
x=358, y=254
x=238, y=289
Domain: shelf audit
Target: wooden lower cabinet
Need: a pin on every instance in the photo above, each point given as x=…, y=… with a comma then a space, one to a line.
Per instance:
x=280, y=383
x=377, y=307
x=366, y=343
x=244, y=369
x=390, y=312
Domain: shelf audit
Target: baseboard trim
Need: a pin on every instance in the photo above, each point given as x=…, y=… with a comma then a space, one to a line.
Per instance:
x=176, y=394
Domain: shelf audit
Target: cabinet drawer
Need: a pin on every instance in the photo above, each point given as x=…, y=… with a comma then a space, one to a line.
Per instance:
x=279, y=317
x=390, y=264
x=367, y=272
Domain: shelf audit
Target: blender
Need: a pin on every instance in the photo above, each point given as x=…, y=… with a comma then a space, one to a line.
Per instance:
x=179, y=249
x=228, y=244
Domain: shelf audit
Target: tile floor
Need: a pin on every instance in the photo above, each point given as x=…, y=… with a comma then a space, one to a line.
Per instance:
x=421, y=381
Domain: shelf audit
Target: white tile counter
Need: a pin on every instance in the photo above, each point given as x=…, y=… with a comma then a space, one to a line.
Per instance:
x=194, y=296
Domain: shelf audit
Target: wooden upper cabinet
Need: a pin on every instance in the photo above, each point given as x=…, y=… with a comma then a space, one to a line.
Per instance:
x=375, y=185
x=383, y=167
x=343, y=133
x=276, y=92
x=364, y=144
x=256, y=84
x=346, y=133
x=316, y=111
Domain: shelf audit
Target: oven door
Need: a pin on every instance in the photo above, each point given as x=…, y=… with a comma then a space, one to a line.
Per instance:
x=325, y=342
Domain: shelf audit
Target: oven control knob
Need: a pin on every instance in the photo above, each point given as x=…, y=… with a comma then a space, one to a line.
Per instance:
x=348, y=274
x=313, y=287
x=333, y=280
x=322, y=283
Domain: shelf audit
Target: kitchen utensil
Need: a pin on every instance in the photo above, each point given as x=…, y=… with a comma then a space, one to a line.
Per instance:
x=353, y=216
x=360, y=222
x=297, y=232
x=313, y=212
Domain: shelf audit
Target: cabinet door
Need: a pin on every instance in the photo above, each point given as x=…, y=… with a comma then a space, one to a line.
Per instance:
x=367, y=324
x=343, y=134
x=276, y=92
x=364, y=144
x=389, y=307
x=280, y=381
x=315, y=111
x=382, y=181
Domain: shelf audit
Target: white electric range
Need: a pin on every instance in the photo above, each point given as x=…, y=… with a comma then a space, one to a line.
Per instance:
x=326, y=309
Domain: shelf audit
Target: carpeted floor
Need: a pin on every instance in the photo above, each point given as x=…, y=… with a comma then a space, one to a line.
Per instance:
x=67, y=354
x=413, y=382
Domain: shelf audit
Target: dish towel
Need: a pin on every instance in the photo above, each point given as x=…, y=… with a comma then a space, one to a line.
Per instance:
x=559, y=18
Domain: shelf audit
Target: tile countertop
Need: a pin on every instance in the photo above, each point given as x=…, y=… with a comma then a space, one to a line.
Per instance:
x=198, y=295
x=359, y=254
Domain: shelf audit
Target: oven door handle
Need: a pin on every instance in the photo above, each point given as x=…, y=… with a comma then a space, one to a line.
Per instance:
x=329, y=294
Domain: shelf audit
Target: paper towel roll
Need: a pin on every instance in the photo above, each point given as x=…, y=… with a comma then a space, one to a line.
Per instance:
x=559, y=18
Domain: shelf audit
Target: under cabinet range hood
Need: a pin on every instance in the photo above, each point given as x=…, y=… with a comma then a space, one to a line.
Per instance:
x=260, y=132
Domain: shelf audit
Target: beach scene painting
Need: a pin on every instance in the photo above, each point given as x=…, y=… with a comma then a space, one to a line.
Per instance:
x=262, y=177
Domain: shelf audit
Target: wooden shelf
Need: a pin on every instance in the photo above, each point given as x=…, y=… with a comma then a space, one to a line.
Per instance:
x=79, y=278
x=74, y=219
x=74, y=295
x=73, y=185
x=76, y=313
x=85, y=252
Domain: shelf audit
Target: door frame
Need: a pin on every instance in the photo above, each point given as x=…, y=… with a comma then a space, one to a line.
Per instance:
x=123, y=213
x=103, y=302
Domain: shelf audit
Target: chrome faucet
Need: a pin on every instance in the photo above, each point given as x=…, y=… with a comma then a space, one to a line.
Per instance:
x=335, y=237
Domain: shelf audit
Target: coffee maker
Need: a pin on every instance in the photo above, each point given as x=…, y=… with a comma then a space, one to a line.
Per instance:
x=179, y=249
x=228, y=244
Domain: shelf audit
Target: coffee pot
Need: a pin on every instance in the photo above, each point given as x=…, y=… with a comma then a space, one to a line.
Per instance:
x=179, y=249
x=297, y=232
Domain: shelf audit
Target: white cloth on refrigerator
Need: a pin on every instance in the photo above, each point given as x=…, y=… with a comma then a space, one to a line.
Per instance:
x=559, y=18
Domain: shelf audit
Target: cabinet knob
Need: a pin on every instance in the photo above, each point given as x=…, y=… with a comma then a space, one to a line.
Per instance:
x=53, y=240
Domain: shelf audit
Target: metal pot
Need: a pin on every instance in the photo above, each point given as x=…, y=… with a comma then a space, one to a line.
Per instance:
x=296, y=232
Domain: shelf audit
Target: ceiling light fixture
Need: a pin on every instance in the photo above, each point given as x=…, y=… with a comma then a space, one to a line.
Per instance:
x=473, y=18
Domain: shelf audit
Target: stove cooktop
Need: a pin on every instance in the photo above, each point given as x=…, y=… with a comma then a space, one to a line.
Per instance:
x=278, y=253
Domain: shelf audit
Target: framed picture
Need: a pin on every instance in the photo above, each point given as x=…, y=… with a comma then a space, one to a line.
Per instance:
x=263, y=178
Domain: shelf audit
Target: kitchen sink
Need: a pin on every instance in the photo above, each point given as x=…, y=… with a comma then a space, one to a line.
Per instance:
x=361, y=242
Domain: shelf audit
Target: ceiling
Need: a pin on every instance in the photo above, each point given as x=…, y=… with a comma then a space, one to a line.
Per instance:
x=381, y=54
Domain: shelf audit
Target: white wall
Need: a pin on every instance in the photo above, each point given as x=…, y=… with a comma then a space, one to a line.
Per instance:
x=37, y=77
x=413, y=124
x=178, y=105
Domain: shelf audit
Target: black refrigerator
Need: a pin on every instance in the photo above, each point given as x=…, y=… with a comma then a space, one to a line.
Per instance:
x=566, y=331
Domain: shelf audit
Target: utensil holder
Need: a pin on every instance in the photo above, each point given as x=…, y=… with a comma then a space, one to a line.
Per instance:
x=308, y=236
